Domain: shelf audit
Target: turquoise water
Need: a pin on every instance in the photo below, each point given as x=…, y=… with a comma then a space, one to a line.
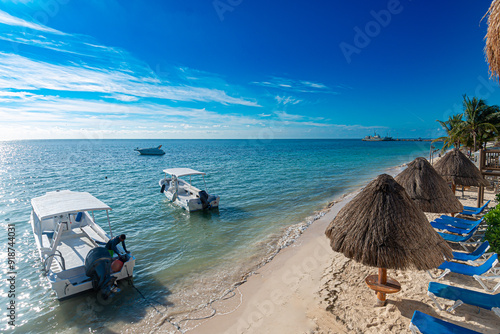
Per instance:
x=183, y=259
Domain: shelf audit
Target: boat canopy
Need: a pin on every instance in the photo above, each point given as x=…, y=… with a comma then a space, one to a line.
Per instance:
x=182, y=172
x=65, y=201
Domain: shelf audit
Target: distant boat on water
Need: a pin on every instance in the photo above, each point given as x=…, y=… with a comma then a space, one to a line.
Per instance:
x=150, y=151
x=376, y=137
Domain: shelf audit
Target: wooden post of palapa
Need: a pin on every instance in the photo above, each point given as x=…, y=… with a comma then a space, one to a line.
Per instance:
x=382, y=279
x=480, y=191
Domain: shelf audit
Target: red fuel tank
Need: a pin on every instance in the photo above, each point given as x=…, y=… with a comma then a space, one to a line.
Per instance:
x=116, y=266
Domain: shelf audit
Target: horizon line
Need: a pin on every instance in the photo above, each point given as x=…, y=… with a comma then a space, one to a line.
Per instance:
x=258, y=139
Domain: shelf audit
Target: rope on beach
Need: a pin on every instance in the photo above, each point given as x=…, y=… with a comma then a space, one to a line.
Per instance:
x=223, y=297
x=236, y=285
x=129, y=279
x=152, y=305
x=209, y=304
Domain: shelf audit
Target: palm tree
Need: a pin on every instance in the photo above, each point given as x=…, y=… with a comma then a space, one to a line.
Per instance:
x=478, y=116
x=451, y=127
x=490, y=115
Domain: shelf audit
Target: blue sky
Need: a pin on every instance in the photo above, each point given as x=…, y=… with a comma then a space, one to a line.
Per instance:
x=237, y=68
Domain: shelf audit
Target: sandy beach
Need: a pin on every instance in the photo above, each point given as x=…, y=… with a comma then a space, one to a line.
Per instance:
x=307, y=288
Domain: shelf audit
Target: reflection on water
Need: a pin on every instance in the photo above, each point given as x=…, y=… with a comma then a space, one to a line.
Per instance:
x=184, y=259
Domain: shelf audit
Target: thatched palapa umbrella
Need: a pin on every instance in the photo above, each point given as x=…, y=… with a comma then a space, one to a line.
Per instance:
x=492, y=48
x=428, y=190
x=382, y=227
x=455, y=167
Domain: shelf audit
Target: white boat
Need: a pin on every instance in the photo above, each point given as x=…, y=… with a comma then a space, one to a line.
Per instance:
x=185, y=194
x=71, y=244
x=150, y=151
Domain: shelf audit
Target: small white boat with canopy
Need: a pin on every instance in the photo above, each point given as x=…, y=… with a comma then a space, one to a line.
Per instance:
x=184, y=194
x=71, y=244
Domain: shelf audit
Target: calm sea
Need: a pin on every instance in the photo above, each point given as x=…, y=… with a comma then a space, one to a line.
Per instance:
x=183, y=259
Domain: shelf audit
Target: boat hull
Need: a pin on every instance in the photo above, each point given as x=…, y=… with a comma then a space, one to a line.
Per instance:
x=73, y=281
x=187, y=197
x=66, y=287
x=150, y=151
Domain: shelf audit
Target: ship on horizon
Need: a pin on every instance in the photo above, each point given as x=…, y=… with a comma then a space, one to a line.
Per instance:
x=376, y=137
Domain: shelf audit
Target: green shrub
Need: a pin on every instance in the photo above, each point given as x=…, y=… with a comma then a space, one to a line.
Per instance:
x=497, y=198
x=493, y=229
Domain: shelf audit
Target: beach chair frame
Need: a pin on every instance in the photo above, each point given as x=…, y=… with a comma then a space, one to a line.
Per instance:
x=458, y=302
x=473, y=242
x=480, y=254
x=482, y=279
x=493, y=274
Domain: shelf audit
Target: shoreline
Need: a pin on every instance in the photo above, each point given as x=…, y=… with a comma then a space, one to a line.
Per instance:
x=222, y=307
x=262, y=298
x=190, y=260
x=307, y=288
x=231, y=298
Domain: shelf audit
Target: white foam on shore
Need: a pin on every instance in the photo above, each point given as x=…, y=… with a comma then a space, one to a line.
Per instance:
x=293, y=232
x=274, y=245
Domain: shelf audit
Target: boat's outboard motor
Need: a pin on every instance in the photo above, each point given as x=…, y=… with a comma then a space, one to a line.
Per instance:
x=174, y=187
x=204, y=199
x=164, y=184
x=98, y=268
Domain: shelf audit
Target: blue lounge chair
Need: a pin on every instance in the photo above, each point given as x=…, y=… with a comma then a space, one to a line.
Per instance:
x=480, y=252
x=457, y=222
x=425, y=324
x=463, y=296
x=480, y=273
x=465, y=220
x=471, y=211
x=444, y=226
x=459, y=238
x=470, y=240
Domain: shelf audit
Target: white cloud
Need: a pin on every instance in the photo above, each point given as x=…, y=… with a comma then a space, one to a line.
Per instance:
x=10, y=20
x=70, y=111
x=314, y=85
x=87, y=66
x=287, y=100
x=77, y=88
x=287, y=117
x=123, y=97
x=293, y=85
x=17, y=72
